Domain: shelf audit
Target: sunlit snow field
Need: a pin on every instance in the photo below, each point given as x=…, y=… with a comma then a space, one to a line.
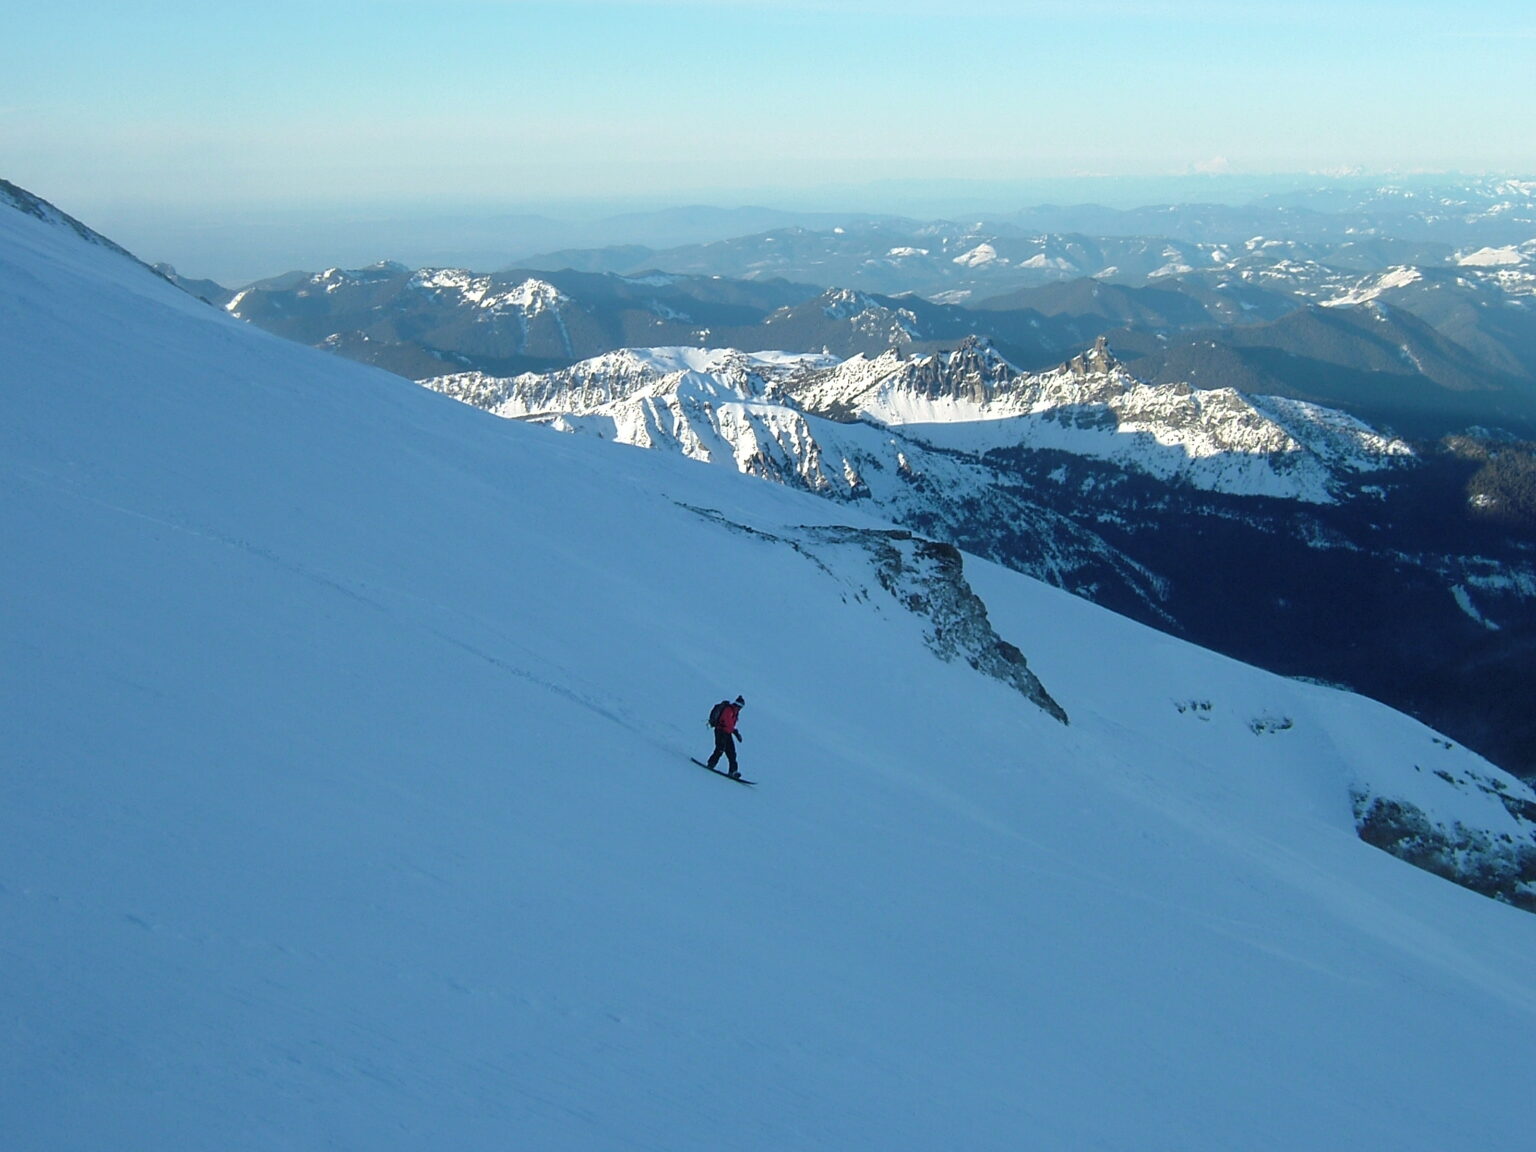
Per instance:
x=347, y=804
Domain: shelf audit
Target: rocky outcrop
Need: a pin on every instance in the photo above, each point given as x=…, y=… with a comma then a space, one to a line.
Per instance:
x=973, y=371
x=1096, y=361
x=1499, y=862
x=925, y=578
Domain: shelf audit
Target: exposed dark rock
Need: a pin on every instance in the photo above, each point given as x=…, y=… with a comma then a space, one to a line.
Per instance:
x=927, y=578
x=1499, y=866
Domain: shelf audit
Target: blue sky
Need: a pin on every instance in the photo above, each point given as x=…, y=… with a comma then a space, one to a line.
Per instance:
x=166, y=107
x=491, y=99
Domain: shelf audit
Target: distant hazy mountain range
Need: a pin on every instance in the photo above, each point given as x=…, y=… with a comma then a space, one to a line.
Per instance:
x=1416, y=310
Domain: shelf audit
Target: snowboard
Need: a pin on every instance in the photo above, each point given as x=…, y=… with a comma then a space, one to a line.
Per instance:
x=727, y=775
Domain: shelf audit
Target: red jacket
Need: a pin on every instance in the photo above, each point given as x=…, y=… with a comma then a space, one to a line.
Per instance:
x=727, y=719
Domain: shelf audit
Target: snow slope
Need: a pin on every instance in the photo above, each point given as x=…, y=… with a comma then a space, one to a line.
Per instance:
x=347, y=805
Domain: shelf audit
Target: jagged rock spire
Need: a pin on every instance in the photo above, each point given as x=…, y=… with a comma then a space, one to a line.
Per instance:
x=1097, y=361
x=972, y=371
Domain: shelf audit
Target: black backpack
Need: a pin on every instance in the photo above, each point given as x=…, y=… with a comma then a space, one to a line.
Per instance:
x=714, y=713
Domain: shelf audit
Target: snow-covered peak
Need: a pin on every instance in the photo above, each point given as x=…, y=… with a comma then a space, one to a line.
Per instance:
x=1507, y=256
x=1041, y=260
x=968, y=400
x=335, y=279
x=865, y=315
x=331, y=280
x=970, y=378
x=20, y=200
x=630, y=372
x=530, y=297
x=970, y=382
x=1216, y=439
x=39, y=233
x=1371, y=288
x=979, y=256
x=842, y=303
x=1490, y=257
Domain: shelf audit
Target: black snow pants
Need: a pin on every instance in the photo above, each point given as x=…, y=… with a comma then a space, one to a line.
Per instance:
x=725, y=745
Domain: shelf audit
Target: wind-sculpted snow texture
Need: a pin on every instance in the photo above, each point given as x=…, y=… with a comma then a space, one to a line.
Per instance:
x=347, y=804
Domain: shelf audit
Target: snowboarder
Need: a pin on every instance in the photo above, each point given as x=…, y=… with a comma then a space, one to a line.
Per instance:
x=722, y=718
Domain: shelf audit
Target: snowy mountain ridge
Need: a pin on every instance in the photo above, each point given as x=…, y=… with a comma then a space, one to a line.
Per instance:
x=531, y=296
x=627, y=374
x=969, y=401
x=19, y=199
x=977, y=388
x=348, y=803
